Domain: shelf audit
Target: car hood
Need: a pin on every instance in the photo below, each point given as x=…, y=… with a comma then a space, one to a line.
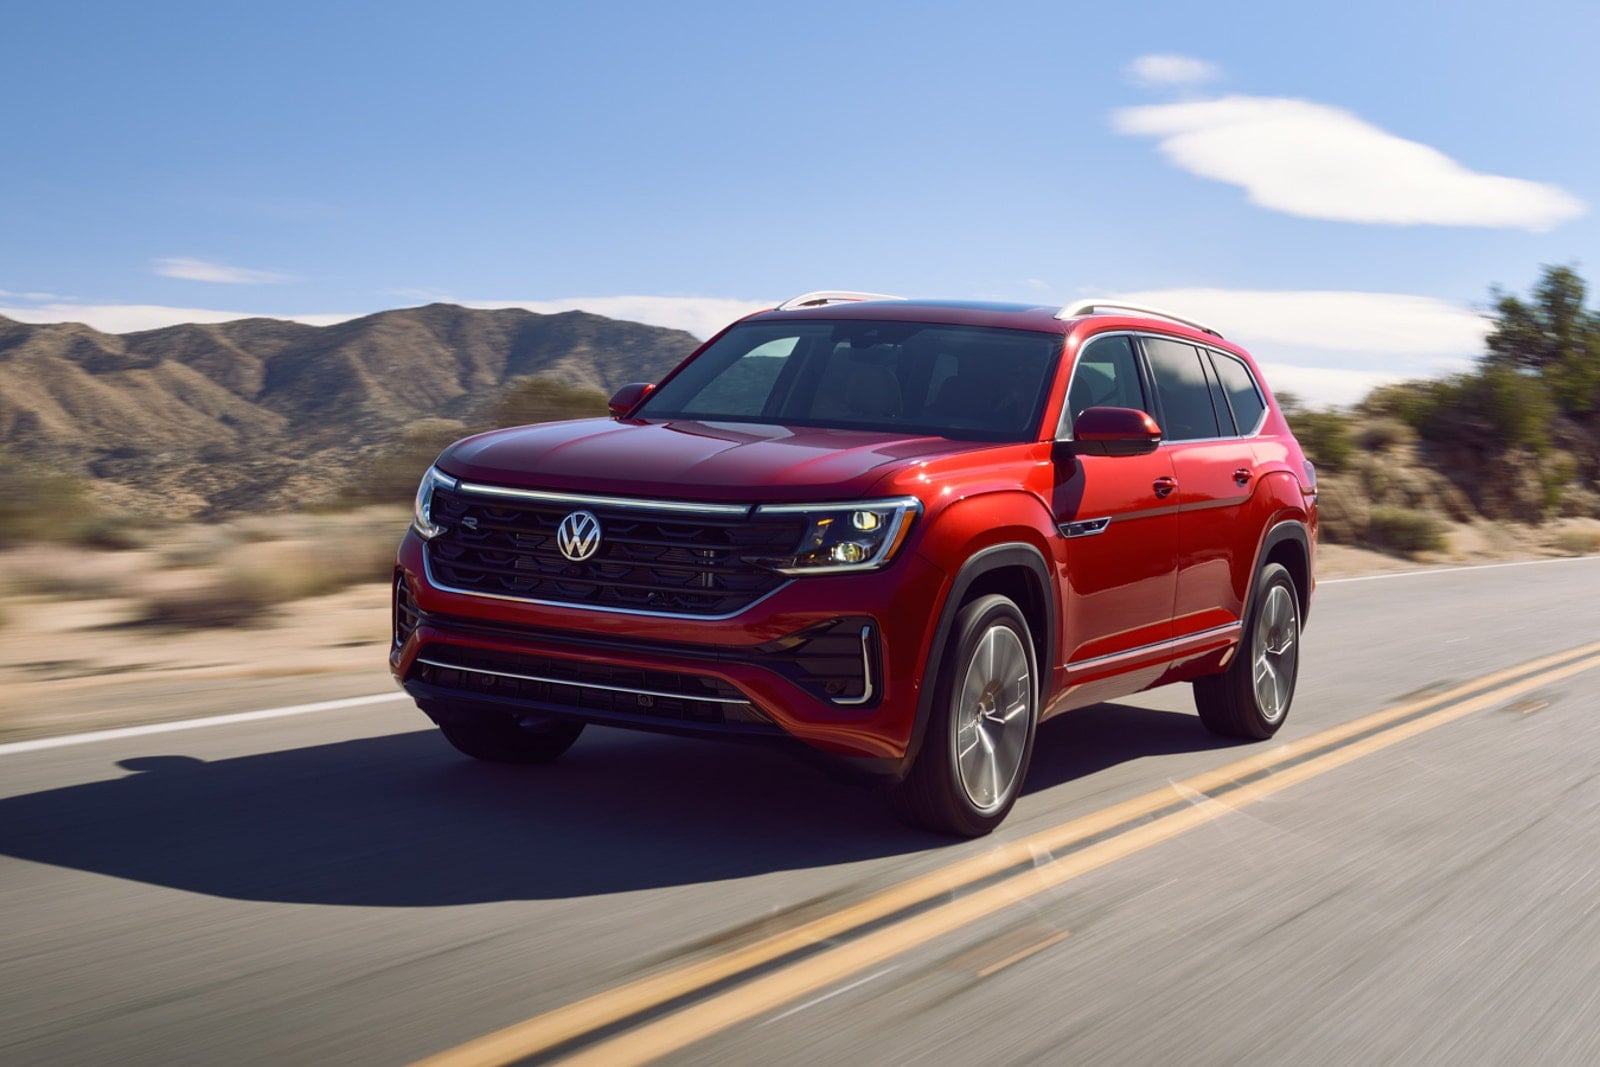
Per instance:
x=732, y=462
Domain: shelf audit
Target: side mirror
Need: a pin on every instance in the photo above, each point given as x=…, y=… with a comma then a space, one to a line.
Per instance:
x=1115, y=432
x=627, y=398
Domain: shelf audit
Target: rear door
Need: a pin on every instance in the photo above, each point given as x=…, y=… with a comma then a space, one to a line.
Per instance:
x=1215, y=469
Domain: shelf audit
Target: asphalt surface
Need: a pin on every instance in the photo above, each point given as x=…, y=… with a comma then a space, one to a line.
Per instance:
x=341, y=887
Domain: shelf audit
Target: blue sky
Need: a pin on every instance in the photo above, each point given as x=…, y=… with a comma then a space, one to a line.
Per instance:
x=1337, y=186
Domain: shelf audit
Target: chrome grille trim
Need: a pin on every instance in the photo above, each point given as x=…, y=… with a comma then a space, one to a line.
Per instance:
x=580, y=500
x=659, y=693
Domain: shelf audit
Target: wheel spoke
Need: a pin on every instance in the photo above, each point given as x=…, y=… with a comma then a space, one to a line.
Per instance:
x=996, y=703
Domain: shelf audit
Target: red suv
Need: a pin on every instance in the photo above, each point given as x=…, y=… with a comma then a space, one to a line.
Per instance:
x=900, y=533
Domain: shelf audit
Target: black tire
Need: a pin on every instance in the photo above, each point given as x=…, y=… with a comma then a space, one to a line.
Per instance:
x=1232, y=703
x=980, y=696
x=499, y=739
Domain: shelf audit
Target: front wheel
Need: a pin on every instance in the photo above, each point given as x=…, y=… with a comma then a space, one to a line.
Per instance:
x=1251, y=698
x=980, y=735
x=501, y=739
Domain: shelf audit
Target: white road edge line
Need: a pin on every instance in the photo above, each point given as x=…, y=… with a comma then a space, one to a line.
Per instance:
x=17, y=747
x=1455, y=570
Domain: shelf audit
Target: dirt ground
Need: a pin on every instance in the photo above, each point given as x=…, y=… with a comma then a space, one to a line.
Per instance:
x=73, y=659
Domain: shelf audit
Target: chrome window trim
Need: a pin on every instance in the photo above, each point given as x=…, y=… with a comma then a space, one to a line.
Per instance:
x=427, y=570
x=626, y=503
x=1255, y=384
x=585, y=685
x=1064, y=432
x=1063, y=429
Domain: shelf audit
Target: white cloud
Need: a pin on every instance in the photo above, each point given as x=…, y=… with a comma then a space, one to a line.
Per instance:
x=1323, y=387
x=202, y=270
x=1167, y=69
x=1331, y=346
x=127, y=318
x=1329, y=320
x=1322, y=162
x=701, y=316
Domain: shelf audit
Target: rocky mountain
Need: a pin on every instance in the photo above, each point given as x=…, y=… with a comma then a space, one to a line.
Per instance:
x=256, y=412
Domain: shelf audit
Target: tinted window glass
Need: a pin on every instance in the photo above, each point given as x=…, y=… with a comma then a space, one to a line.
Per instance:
x=1243, y=396
x=1106, y=375
x=903, y=377
x=1186, y=411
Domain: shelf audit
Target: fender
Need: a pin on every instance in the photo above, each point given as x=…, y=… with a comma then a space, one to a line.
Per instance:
x=1293, y=530
x=985, y=561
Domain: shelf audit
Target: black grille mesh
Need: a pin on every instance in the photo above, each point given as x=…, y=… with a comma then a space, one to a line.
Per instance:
x=648, y=560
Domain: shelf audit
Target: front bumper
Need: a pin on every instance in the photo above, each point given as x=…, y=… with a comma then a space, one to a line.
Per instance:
x=834, y=663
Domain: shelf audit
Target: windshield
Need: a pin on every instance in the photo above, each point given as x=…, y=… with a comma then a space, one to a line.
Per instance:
x=900, y=377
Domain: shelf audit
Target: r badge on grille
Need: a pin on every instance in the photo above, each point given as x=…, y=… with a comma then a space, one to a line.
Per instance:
x=578, y=536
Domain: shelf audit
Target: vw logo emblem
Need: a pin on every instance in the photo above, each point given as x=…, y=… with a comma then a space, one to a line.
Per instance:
x=578, y=536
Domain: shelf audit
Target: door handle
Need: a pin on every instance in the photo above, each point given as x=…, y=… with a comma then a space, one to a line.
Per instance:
x=1241, y=477
x=1165, y=486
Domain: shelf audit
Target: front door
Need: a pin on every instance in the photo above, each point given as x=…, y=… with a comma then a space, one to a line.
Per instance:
x=1117, y=522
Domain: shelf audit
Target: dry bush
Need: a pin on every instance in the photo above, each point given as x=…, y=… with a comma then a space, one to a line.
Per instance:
x=1404, y=530
x=1382, y=434
x=113, y=533
x=255, y=578
x=198, y=546
x=1577, y=542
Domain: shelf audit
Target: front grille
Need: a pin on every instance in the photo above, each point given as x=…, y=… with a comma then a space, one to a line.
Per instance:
x=653, y=560
x=602, y=689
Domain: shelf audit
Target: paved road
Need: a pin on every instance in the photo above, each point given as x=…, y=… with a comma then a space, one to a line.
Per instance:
x=341, y=888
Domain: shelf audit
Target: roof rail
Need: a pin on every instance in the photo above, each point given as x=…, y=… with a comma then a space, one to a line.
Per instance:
x=823, y=297
x=1089, y=307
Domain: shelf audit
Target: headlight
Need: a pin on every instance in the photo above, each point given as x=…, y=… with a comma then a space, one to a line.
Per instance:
x=422, y=513
x=856, y=536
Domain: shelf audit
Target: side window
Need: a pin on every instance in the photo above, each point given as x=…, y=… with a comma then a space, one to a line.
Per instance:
x=1106, y=375
x=1181, y=383
x=1243, y=395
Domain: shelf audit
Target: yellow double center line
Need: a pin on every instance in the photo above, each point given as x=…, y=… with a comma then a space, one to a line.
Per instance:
x=660, y=1013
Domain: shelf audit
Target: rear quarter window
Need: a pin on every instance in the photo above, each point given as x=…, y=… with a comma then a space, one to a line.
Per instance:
x=1244, y=395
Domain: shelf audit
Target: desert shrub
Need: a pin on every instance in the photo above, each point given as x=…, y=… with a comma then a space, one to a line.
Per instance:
x=1553, y=481
x=114, y=533
x=390, y=475
x=1577, y=542
x=1405, y=530
x=1325, y=436
x=256, y=578
x=1382, y=434
x=1409, y=403
x=531, y=400
x=39, y=504
x=235, y=600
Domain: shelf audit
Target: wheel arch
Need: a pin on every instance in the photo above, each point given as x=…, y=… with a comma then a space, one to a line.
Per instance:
x=1287, y=543
x=1016, y=570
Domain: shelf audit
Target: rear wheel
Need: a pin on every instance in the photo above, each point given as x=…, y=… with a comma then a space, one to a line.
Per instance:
x=504, y=740
x=980, y=736
x=1251, y=698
